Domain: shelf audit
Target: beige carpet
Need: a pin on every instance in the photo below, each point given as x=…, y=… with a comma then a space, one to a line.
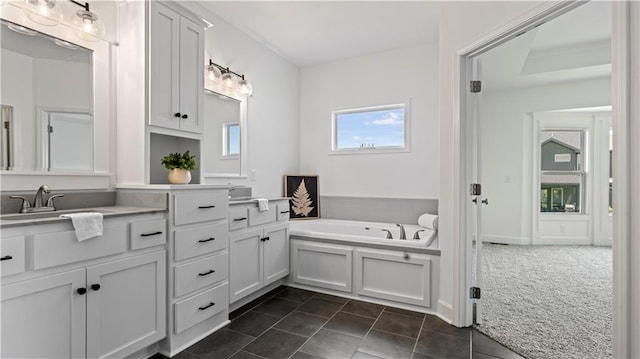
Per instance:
x=548, y=301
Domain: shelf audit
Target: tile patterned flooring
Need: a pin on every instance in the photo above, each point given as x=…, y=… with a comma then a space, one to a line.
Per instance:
x=298, y=324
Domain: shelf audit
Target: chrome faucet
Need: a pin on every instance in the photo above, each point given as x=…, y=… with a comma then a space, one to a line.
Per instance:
x=37, y=202
x=389, y=235
x=403, y=234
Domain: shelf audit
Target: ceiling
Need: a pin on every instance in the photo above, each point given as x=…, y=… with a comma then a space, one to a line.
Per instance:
x=574, y=46
x=308, y=33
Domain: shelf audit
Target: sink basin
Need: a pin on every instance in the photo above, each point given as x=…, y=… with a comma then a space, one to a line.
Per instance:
x=54, y=214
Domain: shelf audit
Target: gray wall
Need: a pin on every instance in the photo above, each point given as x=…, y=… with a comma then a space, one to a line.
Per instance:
x=389, y=210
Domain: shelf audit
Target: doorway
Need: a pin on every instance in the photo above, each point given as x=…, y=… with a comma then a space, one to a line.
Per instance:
x=552, y=65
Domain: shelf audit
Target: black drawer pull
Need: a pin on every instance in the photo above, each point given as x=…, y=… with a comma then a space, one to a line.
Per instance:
x=150, y=234
x=283, y=212
x=211, y=304
x=95, y=286
x=206, y=240
x=206, y=273
x=205, y=207
x=240, y=219
x=6, y=258
x=81, y=291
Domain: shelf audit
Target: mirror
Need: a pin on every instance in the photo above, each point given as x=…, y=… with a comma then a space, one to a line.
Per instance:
x=47, y=83
x=225, y=145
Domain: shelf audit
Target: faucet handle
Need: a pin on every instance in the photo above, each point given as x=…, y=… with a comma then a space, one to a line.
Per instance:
x=50, y=200
x=25, y=203
x=417, y=234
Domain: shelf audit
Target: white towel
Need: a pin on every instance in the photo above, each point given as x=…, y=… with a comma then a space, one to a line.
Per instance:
x=263, y=204
x=86, y=224
x=429, y=221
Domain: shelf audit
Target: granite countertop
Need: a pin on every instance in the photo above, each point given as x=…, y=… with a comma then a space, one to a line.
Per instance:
x=25, y=219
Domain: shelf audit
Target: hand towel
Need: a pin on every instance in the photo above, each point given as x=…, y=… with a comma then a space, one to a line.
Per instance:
x=86, y=224
x=263, y=204
x=429, y=221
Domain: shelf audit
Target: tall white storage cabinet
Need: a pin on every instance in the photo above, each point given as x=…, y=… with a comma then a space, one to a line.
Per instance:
x=160, y=99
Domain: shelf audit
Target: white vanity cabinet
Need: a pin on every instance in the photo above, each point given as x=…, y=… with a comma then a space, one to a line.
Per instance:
x=177, y=70
x=103, y=306
x=258, y=248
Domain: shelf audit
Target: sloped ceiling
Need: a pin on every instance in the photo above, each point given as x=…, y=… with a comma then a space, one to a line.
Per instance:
x=308, y=33
x=573, y=46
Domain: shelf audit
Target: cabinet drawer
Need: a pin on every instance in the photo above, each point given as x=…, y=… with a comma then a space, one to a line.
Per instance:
x=200, y=207
x=257, y=218
x=193, y=310
x=57, y=248
x=238, y=217
x=201, y=273
x=200, y=240
x=282, y=212
x=12, y=255
x=148, y=233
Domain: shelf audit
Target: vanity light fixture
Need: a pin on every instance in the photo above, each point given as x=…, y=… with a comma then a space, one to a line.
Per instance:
x=86, y=24
x=232, y=80
x=43, y=12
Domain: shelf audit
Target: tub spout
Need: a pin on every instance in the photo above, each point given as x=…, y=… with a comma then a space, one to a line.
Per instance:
x=403, y=234
x=389, y=236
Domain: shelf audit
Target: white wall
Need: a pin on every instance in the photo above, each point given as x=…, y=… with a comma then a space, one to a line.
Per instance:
x=379, y=79
x=461, y=23
x=507, y=167
x=273, y=108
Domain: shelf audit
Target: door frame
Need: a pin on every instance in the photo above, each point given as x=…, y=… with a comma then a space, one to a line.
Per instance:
x=621, y=84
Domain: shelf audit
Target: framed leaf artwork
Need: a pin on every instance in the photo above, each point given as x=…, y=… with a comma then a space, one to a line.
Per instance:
x=303, y=191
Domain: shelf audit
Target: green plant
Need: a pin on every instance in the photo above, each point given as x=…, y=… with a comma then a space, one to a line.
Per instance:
x=180, y=160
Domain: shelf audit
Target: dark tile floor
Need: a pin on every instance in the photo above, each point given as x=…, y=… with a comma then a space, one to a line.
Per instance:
x=299, y=324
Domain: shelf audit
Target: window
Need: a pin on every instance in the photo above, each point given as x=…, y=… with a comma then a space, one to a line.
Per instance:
x=231, y=140
x=366, y=130
x=562, y=173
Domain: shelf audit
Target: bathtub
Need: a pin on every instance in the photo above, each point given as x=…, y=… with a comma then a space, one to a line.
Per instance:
x=368, y=234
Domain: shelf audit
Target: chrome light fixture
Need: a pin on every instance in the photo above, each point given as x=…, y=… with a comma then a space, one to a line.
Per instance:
x=229, y=79
x=43, y=12
x=86, y=24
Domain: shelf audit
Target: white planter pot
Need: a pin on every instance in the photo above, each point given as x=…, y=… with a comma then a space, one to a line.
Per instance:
x=179, y=176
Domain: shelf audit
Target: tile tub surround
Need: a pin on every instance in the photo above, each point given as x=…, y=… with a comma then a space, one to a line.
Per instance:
x=370, y=209
x=294, y=323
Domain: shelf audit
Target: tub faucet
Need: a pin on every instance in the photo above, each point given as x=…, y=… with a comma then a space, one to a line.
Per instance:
x=403, y=234
x=389, y=235
x=417, y=234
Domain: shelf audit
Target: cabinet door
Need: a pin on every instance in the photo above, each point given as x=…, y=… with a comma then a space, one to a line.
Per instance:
x=377, y=273
x=164, y=67
x=44, y=317
x=276, y=252
x=191, y=76
x=245, y=251
x=126, y=305
x=322, y=265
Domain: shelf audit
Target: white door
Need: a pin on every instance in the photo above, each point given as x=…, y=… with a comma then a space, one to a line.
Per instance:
x=475, y=200
x=245, y=252
x=45, y=317
x=126, y=305
x=276, y=252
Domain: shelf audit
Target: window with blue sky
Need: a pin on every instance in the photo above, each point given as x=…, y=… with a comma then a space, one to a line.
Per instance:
x=370, y=128
x=233, y=139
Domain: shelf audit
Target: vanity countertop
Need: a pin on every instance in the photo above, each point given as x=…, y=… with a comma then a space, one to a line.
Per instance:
x=16, y=220
x=165, y=187
x=255, y=200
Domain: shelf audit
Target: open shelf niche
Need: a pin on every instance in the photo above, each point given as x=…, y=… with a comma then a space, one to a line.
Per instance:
x=162, y=145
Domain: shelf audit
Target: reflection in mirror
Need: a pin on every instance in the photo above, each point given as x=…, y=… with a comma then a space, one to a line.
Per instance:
x=6, y=140
x=225, y=135
x=48, y=83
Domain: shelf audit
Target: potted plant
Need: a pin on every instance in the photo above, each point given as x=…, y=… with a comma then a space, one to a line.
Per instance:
x=179, y=165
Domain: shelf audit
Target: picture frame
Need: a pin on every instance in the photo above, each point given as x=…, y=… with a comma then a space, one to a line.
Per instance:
x=305, y=199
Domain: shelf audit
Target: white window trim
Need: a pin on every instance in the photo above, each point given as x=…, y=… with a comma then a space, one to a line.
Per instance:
x=376, y=150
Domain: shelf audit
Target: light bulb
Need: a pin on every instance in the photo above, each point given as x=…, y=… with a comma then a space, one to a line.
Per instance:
x=245, y=87
x=88, y=26
x=213, y=73
x=43, y=12
x=227, y=79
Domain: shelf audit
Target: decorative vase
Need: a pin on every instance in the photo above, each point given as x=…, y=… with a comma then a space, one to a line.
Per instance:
x=179, y=176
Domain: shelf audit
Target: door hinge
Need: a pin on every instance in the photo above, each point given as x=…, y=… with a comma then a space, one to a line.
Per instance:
x=6, y=125
x=50, y=129
x=476, y=189
x=474, y=293
x=476, y=86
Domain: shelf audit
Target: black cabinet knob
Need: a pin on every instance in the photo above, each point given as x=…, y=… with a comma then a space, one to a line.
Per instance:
x=6, y=258
x=95, y=286
x=185, y=116
x=177, y=114
x=81, y=291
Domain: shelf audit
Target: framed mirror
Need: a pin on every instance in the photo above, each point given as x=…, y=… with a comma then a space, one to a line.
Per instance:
x=47, y=83
x=225, y=140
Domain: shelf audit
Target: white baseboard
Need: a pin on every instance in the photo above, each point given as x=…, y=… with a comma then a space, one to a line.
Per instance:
x=445, y=311
x=195, y=340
